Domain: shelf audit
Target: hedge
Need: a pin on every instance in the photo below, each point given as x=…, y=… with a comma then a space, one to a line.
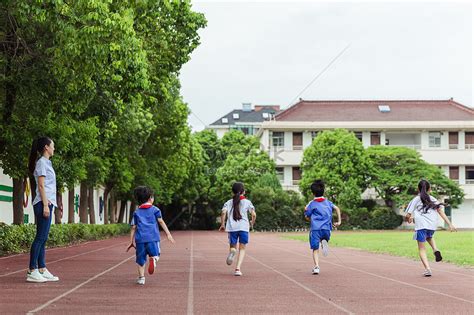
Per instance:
x=18, y=238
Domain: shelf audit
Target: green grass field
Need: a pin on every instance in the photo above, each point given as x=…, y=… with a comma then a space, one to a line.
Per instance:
x=456, y=247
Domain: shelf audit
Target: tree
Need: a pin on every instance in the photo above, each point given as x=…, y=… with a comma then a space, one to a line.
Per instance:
x=243, y=168
x=95, y=74
x=338, y=158
x=396, y=172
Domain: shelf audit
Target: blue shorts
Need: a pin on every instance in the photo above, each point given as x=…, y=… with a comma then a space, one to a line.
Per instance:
x=151, y=249
x=422, y=235
x=316, y=236
x=241, y=237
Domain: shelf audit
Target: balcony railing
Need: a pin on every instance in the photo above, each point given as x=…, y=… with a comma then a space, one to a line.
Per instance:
x=469, y=181
x=297, y=148
x=296, y=182
x=453, y=146
x=469, y=146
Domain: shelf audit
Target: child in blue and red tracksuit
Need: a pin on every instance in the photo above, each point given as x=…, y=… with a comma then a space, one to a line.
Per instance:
x=319, y=212
x=145, y=232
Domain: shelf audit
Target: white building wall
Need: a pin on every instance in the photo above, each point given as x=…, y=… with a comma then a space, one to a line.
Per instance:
x=307, y=139
x=6, y=208
x=6, y=212
x=463, y=217
x=366, y=139
x=288, y=141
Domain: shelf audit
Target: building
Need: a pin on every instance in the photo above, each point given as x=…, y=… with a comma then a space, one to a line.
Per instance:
x=441, y=130
x=247, y=120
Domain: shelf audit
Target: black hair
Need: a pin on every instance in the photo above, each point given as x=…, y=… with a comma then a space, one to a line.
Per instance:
x=37, y=150
x=317, y=187
x=423, y=188
x=142, y=194
x=238, y=190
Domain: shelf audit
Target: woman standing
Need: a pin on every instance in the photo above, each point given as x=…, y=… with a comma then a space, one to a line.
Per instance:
x=41, y=168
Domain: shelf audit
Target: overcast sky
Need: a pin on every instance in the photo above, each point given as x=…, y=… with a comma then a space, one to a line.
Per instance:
x=268, y=52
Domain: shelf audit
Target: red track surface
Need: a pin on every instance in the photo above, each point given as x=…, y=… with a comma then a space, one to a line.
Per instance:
x=192, y=277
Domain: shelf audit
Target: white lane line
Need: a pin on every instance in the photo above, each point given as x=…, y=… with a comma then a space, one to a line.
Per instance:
x=191, y=278
x=41, y=307
x=62, y=259
x=379, y=276
x=297, y=283
x=302, y=286
x=369, y=254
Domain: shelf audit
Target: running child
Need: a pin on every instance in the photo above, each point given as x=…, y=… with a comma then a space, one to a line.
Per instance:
x=145, y=235
x=424, y=210
x=319, y=212
x=237, y=224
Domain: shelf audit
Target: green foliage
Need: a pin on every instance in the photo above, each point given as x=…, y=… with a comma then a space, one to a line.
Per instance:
x=241, y=168
x=277, y=209
x=101, y=79
x=338, y=158
x=396, y=172
x=269, y=180
x=18, y=238
x=377, y=218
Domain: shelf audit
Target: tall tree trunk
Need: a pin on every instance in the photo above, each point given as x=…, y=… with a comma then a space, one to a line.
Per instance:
x=91, y=206
x=106, y=204
x=132, y=210
x=70, y=206
x=18, y=201
x=83, y=203
x=123, y=204
x=113, y=208
x=58, y=211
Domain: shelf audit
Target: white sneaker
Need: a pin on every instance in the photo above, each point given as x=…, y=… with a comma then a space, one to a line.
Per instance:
x=325, y=247
x=316, y=270
x=427, y=273
x=230, y=257
x=237, y=272
x=49, y=276
x=141, y=280
x=35, y=276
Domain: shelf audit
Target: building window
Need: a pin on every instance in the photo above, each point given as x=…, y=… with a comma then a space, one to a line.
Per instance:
x=375, y=138
x=453, y=140
x=296, y=175
x=454, y=173
x=246, y=129
x=358, y=135
x=435, y=139
x=470, y=175
x=280, y=173
x=297, y=141
x=469, y=136
x=278, y=139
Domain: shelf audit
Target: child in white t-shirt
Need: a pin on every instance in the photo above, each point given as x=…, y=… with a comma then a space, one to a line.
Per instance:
x=237, y=224
x=424, y=210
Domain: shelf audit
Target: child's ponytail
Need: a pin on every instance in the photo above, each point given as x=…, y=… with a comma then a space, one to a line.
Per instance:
x=238, y=190
x=424, y=187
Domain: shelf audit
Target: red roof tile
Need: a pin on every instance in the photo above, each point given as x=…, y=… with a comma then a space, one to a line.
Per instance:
x=437, y=110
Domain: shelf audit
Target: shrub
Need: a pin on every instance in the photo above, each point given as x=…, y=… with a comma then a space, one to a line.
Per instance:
x=18, y=238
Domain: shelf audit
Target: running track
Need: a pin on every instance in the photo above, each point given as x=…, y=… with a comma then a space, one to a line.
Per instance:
x=192, y=278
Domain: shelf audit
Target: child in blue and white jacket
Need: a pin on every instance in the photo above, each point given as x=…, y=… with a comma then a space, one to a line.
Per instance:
x=319, y=212
x=144, y=235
